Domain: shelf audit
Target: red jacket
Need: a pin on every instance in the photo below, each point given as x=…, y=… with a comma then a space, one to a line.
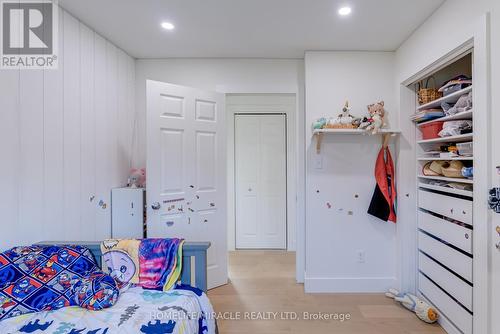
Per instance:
x=383, y=203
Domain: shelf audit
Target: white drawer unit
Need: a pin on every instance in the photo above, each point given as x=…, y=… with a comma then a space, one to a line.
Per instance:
x=459, y=263
x=458, y=236
x=452, y=207
x=127, y=213
x=452, y=284
x=460, y=317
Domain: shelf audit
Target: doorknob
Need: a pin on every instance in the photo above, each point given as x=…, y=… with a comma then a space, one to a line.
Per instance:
x=155, y=206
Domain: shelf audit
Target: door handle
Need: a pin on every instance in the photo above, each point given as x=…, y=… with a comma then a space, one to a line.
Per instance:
x=156, y=206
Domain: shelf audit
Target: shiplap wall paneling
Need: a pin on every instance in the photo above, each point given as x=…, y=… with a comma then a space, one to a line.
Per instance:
x=9, y=146
x=31, y=197
x=66, y=137
x=87, y=230
x=112, y=108
x=53, y=164
x=124, y=120
x=102, y=174
x=72, y=128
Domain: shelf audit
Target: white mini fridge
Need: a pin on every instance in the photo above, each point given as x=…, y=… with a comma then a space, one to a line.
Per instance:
x=128, y=213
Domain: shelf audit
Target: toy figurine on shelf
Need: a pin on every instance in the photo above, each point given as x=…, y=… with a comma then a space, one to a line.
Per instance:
x=343, y=121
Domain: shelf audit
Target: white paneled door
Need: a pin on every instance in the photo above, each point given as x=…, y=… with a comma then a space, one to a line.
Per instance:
x=186, y=168
x=260, y=171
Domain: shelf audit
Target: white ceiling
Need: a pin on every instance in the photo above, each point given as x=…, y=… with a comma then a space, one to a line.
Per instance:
x=251, y=28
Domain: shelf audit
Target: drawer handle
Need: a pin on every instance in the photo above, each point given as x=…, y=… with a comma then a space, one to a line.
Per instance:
x=170, y=223
x=464, y=212
x=466, y=235
x=451, y=210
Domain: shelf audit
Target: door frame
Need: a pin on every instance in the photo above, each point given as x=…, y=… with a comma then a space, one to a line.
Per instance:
x=286, y=170
x=290, y=112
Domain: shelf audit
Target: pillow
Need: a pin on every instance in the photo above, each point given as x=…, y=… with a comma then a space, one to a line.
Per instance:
x=41, y=278
x=97, y=292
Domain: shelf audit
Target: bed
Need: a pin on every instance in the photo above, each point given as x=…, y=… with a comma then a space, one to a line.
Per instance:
x=137, y=310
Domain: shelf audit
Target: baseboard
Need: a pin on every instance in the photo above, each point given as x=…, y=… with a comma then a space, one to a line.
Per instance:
x=352, y=285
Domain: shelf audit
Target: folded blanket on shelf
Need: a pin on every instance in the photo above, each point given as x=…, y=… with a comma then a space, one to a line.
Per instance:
x=41, y=278
x=150, y=263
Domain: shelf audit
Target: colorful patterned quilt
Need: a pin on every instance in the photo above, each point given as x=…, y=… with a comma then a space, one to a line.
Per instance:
x=40, y=278
x=150, y=263
x=137, y=311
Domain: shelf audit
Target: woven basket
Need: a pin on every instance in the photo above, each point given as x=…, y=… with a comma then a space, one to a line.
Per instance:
x=340, y=126
x=426, y=94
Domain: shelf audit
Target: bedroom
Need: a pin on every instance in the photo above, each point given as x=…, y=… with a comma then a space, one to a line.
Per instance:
x=232, y=109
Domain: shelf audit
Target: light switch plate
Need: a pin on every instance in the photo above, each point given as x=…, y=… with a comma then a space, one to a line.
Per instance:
x=318, y=162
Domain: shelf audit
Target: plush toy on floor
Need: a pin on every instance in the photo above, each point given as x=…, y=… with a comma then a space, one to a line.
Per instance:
x=423, y=311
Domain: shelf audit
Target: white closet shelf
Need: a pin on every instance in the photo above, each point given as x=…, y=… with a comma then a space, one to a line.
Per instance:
x=454, y=139
x=452, y=98
x=449, y=190
x=448, y=179
x=447, y=159
x=318, y=133
x=460, y=116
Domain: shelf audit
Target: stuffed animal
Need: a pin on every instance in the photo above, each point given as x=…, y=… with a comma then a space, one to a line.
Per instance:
x=319, y=123
x=423, y=311
x=346, y=117
x=137, y=178
x=343, y=121
x=377, y=114
x=364, y=123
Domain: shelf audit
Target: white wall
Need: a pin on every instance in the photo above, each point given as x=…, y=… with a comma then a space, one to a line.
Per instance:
x=453, y=24
x=65, y=135
x=231, y=76
x=333, y=236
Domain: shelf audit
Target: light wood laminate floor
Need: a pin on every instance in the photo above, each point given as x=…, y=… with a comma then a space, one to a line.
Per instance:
x=264, y=281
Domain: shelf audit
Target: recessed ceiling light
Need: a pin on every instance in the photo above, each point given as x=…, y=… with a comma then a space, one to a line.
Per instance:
x=345, y=11
x=167, y=26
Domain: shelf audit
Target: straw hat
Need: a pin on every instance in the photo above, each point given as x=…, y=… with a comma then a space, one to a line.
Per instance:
x=453, y=169
x=434, y=168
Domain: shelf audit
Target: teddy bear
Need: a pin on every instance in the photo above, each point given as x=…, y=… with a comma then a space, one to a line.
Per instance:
x=423, y=311
x=137, y=178
x=377, y=114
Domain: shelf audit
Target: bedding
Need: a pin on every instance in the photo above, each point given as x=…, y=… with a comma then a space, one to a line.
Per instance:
x=150, y=263
x=39, y=278
x=183, y=310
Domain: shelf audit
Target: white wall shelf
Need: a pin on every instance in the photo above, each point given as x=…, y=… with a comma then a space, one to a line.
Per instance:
x=318, y=133
x=450, y=139
x=448, y=179
x=460, y=116
x=449, y=190
x=447, y=159
x=452, y=98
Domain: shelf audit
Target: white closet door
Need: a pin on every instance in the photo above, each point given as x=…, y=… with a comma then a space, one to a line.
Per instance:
x=260, y=157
